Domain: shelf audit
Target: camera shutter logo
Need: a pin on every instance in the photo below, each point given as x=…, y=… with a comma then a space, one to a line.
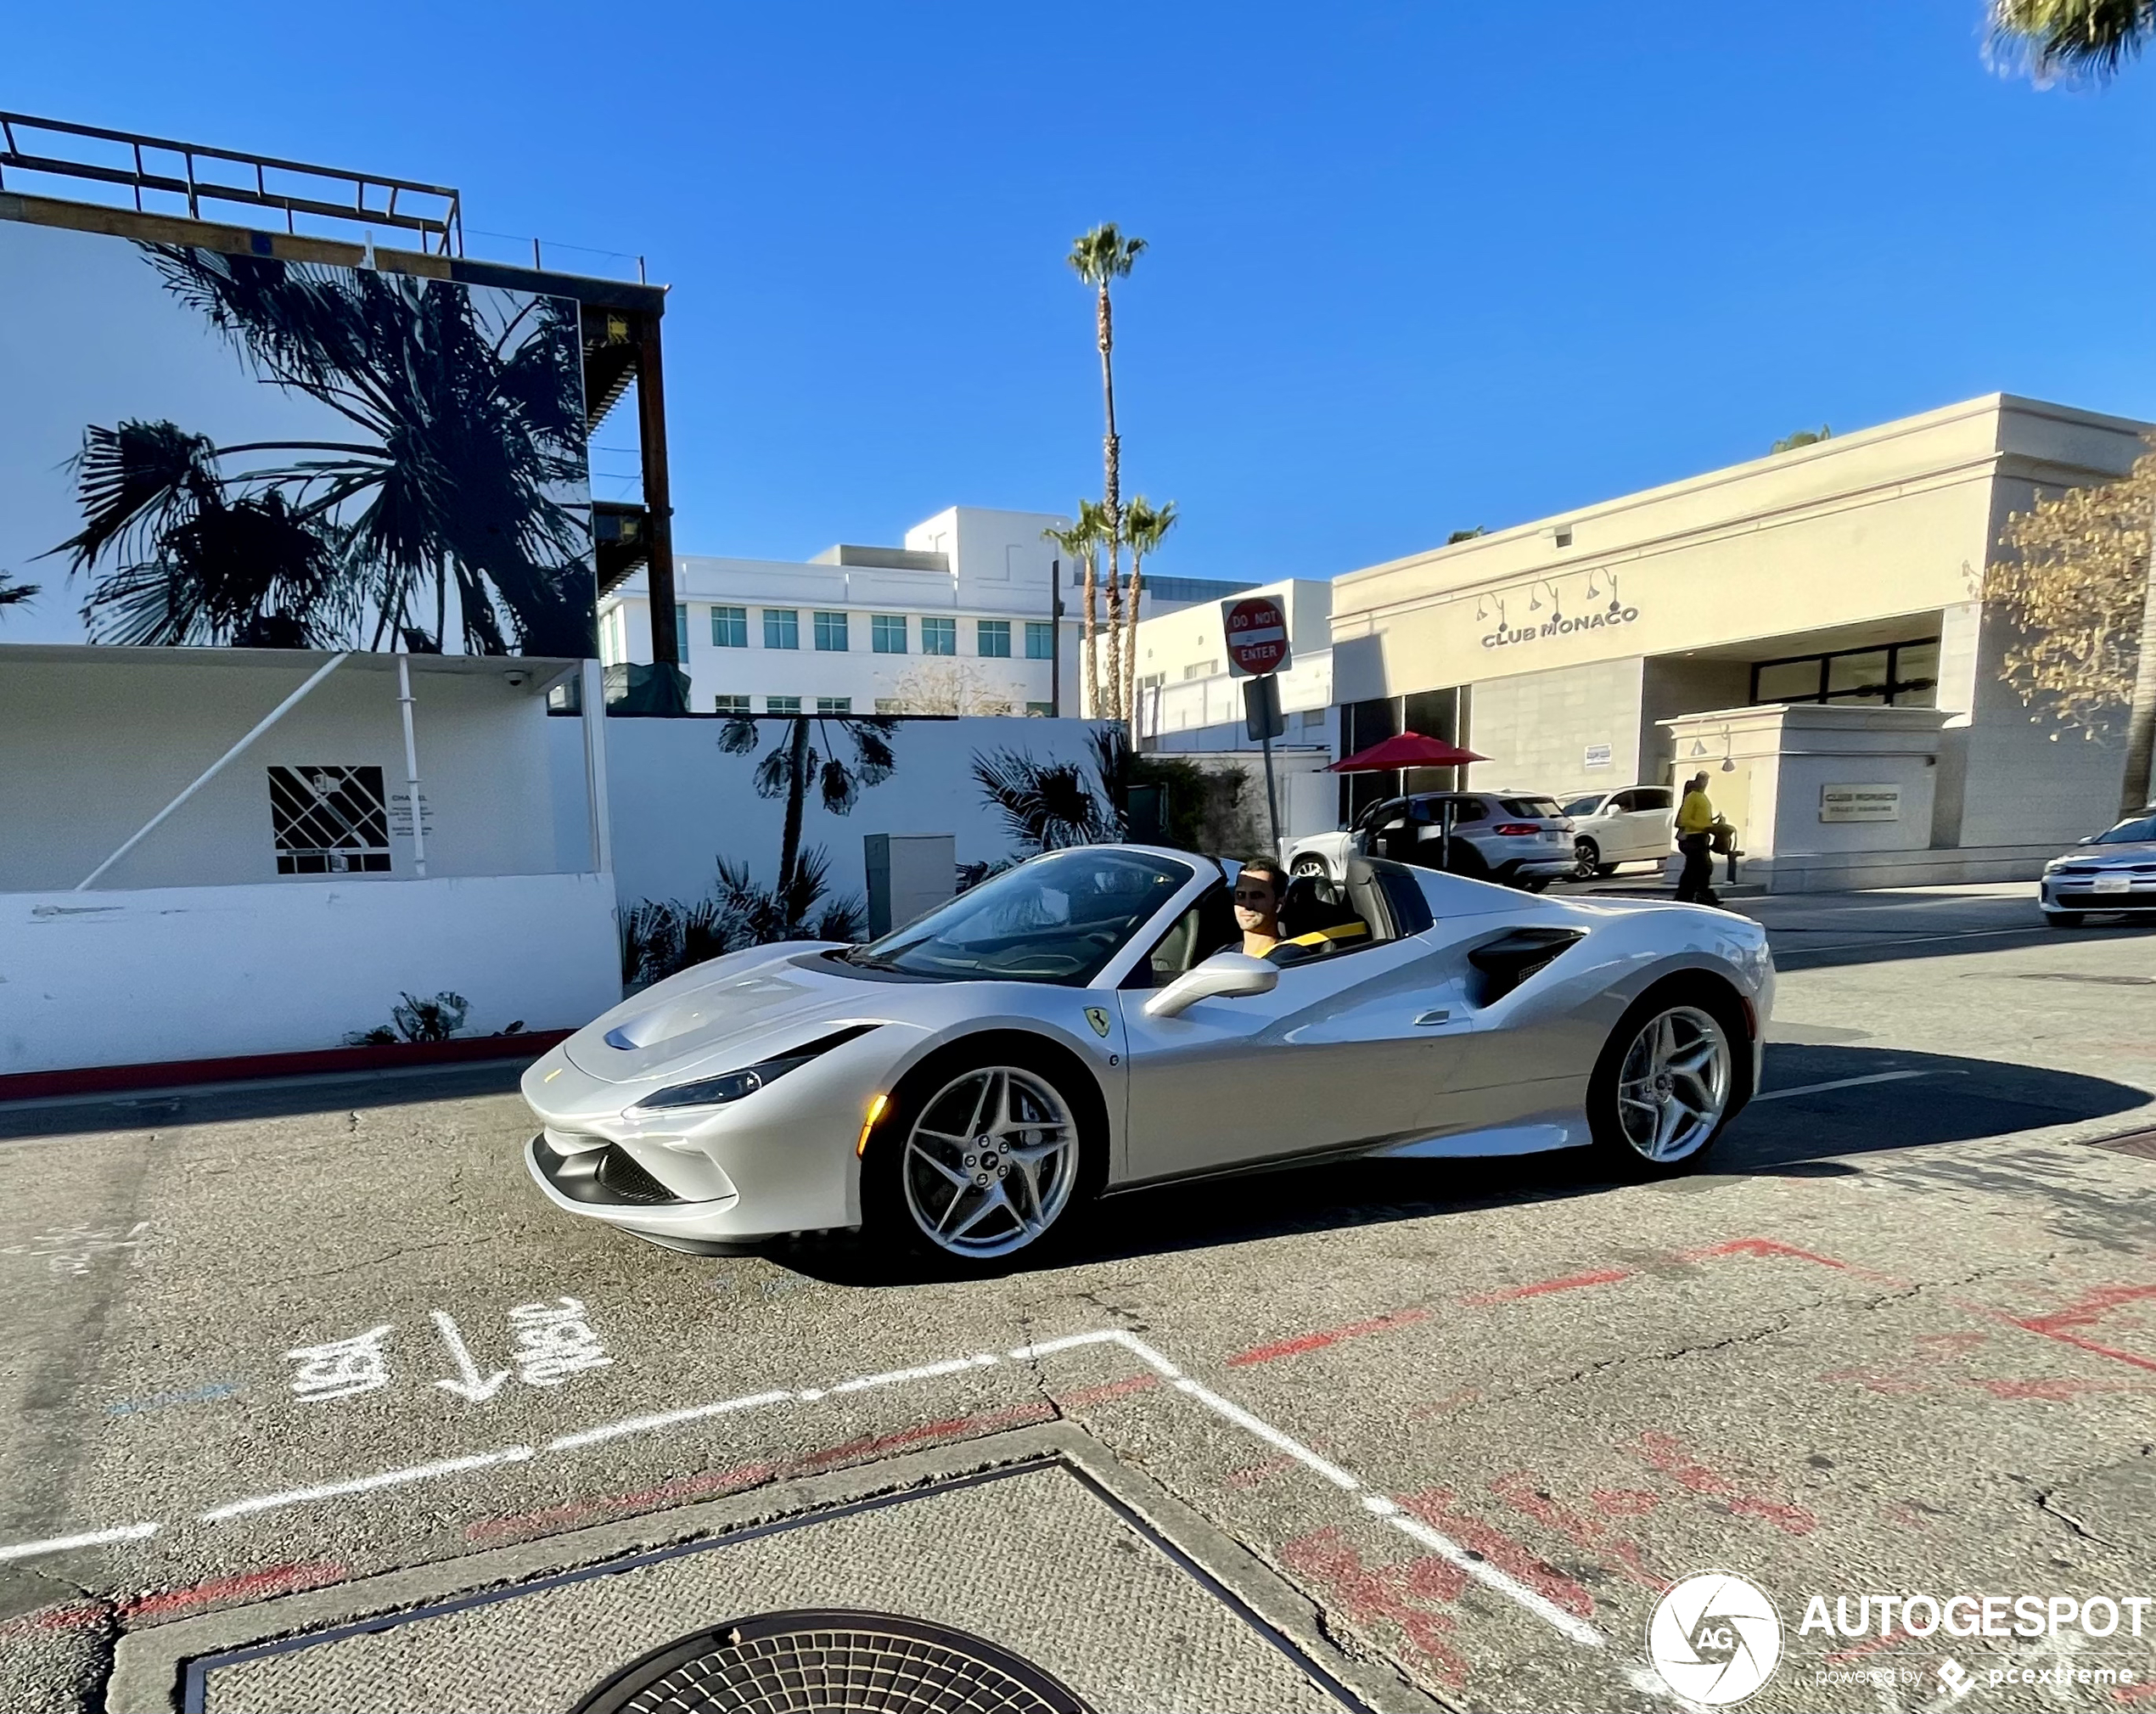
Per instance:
x=1714, y=1637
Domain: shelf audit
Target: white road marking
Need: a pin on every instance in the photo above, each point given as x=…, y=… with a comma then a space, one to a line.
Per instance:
x=669, y=1418
x=95, y=1538
x=468, y=1386
x=1838, y=1083
x=360, y=1485
x=1577, y=1630
x=926, y=1372
x=1381, y=1506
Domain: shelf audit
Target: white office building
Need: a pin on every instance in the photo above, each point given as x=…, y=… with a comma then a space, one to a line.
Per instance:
x=958, y=621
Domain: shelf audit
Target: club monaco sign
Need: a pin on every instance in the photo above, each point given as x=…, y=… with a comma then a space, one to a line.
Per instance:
x=1557, y=626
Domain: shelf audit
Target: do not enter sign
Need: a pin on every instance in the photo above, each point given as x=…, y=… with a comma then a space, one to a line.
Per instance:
x=1256, y=627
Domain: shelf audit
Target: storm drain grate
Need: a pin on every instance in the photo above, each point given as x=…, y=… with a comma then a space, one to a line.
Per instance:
x=823, y=1662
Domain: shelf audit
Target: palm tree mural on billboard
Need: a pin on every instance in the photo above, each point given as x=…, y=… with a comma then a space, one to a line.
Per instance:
x=449, y=512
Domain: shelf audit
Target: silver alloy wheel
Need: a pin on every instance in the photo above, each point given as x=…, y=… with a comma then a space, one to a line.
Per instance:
x=1312, y=866
x=1586, y=855
x=1673, y=1084
x=990, y=1162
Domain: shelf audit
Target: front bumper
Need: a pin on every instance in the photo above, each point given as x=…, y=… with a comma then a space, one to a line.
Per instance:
x=605, y=1183
x=2077, y=893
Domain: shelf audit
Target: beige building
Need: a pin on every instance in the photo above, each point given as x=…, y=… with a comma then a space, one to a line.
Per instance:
x=1845, y=575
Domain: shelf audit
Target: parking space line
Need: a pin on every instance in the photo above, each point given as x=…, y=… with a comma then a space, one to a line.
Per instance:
x=665, y=1419
x=94, y=1538
x=360, y=1485
x=1839, y=1083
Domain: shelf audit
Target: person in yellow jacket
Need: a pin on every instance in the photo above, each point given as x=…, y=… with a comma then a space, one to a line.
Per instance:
x=1696, y=820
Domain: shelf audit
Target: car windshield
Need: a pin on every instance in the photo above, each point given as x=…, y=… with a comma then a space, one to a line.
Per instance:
x=1584, y=806
x=1545, y=807
x=2140, y=830
x=1057, y=918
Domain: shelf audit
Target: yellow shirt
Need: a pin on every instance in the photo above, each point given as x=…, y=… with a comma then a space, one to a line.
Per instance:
x=1695, y=814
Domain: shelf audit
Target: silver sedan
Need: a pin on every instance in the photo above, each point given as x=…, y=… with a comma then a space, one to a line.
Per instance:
x=1087, y=1024
x=2115, y=870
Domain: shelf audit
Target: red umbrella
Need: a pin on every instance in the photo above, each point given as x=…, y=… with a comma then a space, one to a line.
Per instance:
x=1408, y=749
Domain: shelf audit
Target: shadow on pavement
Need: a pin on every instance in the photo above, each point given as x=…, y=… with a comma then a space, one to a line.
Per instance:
x=1933, y=1099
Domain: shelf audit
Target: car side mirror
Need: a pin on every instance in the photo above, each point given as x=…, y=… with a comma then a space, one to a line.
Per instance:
x=1224, y=976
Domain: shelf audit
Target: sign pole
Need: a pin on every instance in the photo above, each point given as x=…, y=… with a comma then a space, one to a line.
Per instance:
x=1271, y=801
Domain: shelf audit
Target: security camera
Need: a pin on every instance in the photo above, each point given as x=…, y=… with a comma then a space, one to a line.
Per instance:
x=517, y=680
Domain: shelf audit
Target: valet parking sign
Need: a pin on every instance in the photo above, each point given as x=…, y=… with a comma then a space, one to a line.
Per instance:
x=1256, y=629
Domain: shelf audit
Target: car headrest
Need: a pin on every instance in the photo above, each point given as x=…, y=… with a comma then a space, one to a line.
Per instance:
x=1313, y=903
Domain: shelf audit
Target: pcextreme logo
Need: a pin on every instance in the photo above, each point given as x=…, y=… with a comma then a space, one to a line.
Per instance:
x=1715, y=1637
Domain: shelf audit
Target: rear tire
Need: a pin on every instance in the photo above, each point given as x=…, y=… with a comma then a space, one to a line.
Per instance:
x=1676, y=1069
x=984, y=1159
x=1312, y=864
x=1586, y=859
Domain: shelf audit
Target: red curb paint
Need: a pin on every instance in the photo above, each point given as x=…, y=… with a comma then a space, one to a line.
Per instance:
x=2056, y=1389
x=1100, y=1394
x=1518, y=1491
x=1667, y=1454
x=1570, y=1282
x=73, y=1617
x=1402, y=1592
x=173, y=1074
x=750, y=1476
x=1434, y=1506
x=1251, y=1474
x=1332, y=1335
x=273, y=1580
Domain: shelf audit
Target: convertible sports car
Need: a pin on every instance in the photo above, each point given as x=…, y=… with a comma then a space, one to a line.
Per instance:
x=1073, y=1028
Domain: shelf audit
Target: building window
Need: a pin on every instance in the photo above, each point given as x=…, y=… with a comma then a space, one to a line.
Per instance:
x=729, y=627
x=781, y=705
x=1902, y=675
x=1202, y=669
x=938, y=637
x=1042, y=711
x=1040, y=640
x=782, y=628
x=889, y=705
x=1313, y=716
x=995, y=639
x=723, y=703
x=887, y=633
x=331, y=821
x=831, y=632
x=834, y=705
x=681, y=629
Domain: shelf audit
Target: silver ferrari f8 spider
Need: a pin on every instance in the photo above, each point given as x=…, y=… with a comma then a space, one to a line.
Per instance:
x=1085, y=1023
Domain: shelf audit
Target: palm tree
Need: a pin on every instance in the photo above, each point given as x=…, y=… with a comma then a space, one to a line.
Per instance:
x=473, y=437
x=1101, y=256
x=1144, y=526
x=1081, y=543
x=789, y=765
x=13, y=594
x=2095, y=38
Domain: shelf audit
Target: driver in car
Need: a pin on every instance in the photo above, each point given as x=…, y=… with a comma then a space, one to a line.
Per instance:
x=1258, y=885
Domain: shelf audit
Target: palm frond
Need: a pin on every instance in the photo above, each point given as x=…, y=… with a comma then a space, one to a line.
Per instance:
x=2071, y=39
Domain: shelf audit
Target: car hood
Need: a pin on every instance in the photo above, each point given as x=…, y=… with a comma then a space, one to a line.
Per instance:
x=739, y=1008
x=2106, y=856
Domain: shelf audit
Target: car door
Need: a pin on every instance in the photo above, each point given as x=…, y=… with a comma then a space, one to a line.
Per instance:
x=1616, y=830
x=1650, y=817
x=1349, y=1048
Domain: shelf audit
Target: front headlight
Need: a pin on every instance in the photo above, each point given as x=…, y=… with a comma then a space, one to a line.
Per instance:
x=731, y=1085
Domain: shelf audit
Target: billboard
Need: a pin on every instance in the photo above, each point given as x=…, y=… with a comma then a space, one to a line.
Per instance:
x=215, y=449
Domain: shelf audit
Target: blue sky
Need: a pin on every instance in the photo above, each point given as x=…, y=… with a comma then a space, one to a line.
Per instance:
x=1413, y=268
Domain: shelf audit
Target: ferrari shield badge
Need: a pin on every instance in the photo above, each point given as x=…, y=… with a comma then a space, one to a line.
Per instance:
x=1098, y=1019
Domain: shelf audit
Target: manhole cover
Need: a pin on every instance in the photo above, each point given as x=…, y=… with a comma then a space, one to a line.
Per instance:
x=821, y=1662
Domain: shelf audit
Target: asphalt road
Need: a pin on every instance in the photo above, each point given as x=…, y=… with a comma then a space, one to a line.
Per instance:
x=1900, y=1337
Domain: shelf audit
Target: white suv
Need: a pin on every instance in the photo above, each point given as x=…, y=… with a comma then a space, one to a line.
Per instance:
x=1637, y=825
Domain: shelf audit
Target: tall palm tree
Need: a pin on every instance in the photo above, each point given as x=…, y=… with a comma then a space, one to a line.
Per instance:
x=13, y=594
x=1082, y=544
x=1099, y=258
x=1143, y=527
x=468, y=418
x=789, y=765
x=2095, y=38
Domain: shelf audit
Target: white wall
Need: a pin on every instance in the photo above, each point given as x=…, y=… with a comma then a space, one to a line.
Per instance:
x=679, y=802
x=91, y=749
x=192, y=972
x=1535, y=728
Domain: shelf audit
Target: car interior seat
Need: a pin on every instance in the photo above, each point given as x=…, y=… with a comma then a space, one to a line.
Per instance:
x=1317, y=916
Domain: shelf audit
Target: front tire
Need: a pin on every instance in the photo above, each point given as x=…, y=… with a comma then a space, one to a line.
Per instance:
x=1312, y=864
x=982, y=1162
x=1668, y=1081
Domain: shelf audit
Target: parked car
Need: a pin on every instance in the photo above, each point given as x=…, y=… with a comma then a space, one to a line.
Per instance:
x=1637, y=825
x=2112, y=871
x=1086, y=1023
x=1519, y=838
